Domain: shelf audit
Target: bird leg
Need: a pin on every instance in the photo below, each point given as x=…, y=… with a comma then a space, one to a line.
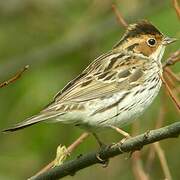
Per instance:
x=101, y=144
x=105, y=162
x=120, y=131
x=123, y=133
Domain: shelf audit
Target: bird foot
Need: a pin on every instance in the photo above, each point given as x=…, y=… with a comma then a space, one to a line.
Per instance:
x=124, y=139
x=61, y=155
x=104, y=162
x=121, y=142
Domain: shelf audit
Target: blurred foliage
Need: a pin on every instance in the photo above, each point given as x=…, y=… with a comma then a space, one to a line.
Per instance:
x=58, y=39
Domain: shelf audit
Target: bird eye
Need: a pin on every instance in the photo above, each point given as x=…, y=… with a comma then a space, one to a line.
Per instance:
x=151, y=41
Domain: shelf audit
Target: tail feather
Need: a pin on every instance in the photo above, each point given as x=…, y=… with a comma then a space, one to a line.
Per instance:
x=18, y=127
x=31, y=121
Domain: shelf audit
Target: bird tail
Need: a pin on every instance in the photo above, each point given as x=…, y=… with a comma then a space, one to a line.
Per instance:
x=31, y=121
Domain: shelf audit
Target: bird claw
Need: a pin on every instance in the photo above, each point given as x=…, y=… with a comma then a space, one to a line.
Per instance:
x=104, y=162
x=61, y=155
x=122, y=142
x=124, y=139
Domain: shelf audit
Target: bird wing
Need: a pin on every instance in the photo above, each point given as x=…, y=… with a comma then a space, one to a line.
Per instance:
x=110, y=73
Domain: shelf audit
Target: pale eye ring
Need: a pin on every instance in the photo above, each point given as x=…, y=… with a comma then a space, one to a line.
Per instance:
x=151, y=42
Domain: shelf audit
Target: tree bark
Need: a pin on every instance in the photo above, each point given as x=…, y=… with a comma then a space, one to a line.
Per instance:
x=130, y=145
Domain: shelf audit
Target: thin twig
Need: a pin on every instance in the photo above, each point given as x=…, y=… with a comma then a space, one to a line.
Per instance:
x=137, y=166
x=172, y=74
x=150, y=159
x=173, y=58
x=176, y=7
x=173, y=97
x=119, y=16
x=71, y=148
x=159, y=122
x=76, y=143
x=15, y=77
x=163, y=160
x=169, y=80
x=174, y=89
x=89, y=159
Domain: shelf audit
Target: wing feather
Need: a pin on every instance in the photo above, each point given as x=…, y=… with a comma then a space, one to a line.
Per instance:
x=111, y=73
x=105, y=76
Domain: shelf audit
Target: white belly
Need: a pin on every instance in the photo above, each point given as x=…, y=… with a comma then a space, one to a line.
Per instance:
x=131, y=108
x=127, y=110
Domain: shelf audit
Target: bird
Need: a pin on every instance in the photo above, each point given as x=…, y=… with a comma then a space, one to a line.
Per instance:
x=115, y=89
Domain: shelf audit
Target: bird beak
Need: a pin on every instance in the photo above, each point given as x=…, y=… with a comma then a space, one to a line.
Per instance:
x=168, y=40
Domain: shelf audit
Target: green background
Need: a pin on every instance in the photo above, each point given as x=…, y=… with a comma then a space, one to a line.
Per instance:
x=58, y=39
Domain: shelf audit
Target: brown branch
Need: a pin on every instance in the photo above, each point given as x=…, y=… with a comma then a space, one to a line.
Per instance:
x=172, y=74
x=150, y=159
x=130, y=145
x=176, y=7
x=15, y=77
x=163, y=160
x=170, y=93
x=174, y=89
x=173, y=58
x=79, y=141
x=169, y=80
x=119, y=16
x=137, y=166
x=71, y=148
